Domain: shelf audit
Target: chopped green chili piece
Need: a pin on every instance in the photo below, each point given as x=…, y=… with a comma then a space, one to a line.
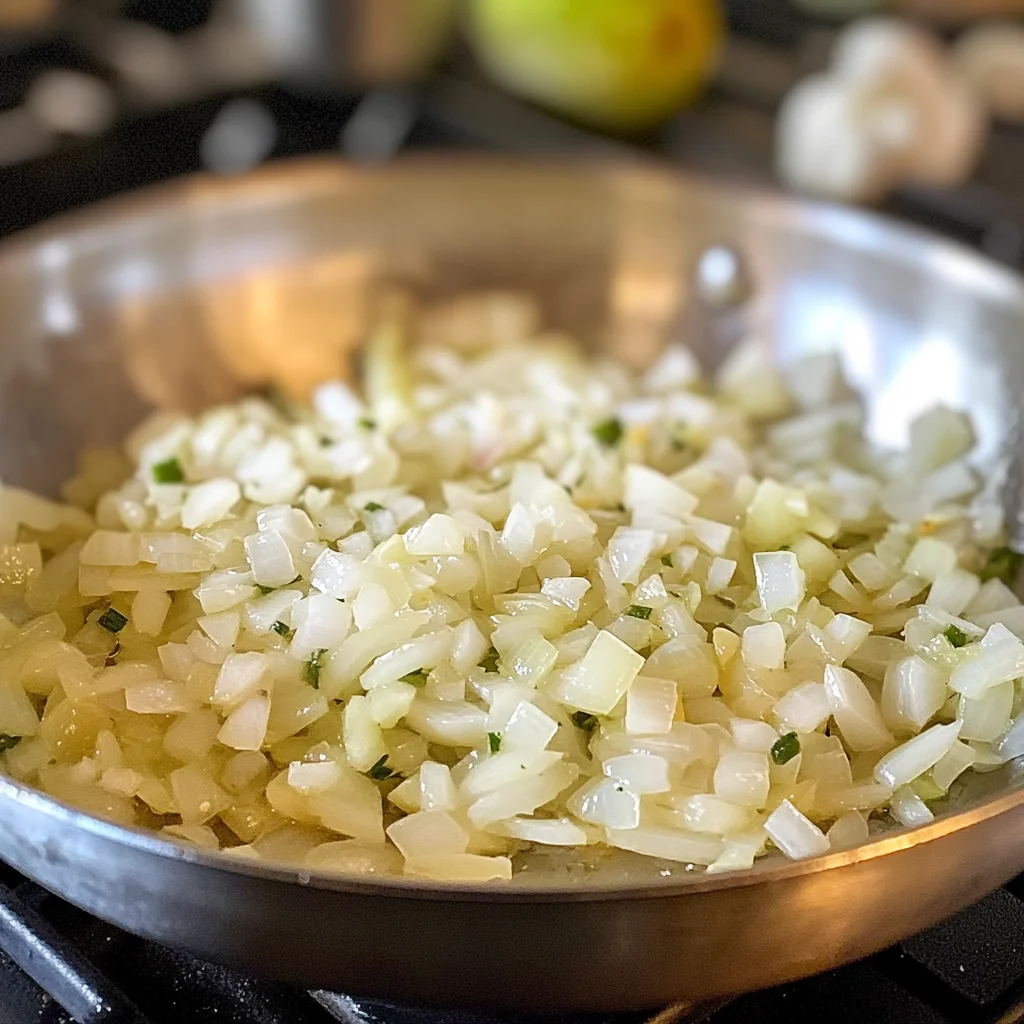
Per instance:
x=1003, y=564
x=366, y=423
x=417, y=678
x=8, y=742
x=112, y=620
x=666, y=560
x=584, y=720
x=380, y=770
x=373, y=506
x=608, y=432
x=282, y=630
x=494, y=742
x=785, y=748
x=311, y=673
x=639, y=611
x=956, y=636
x=489, y=662
x=168, y=472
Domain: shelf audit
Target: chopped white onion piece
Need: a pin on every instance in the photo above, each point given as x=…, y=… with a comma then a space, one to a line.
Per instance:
x=528, y=728
x=606, y=802
x=569, y=591
x=321, y=623
x=804, y=708
x=712, y=814
x=913, y=691
x=908, y=808
x=641, y=773
x=930, y=558
x=651, y=705
x=764, y=646
x=307, y=777
x=437, y=791
x=916, y=756
x=794, y=834
x=748, y=734
x=952, y=764
x=601, y=678
x=161, y=697
x=667, y=844
x=209, y=502
x=545, y=831
x=246, y=727
x=498, y=770
x=855, y=711
x=780, y=580
x=428, y=833
x=654, y=492
x=439, y=535
x=628, y=552
x=743, y=777
x=997, y=659
x=986, y=717
x=240, y=676
x=847, y=831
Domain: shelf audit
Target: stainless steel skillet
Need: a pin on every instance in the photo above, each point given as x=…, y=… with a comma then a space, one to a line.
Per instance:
x=190, y=294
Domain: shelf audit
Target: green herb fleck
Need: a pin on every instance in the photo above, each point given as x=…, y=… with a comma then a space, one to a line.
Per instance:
x=666, y=560
x=380, y=770
x=112, y=620
x=325, y=441
x=8, y=742
x=168, y=472
x=639, y=611
x=373, y=506
x=366, y=423
x=282, y=630
x=679, y=445
x=956, y=636
x=608, y=432
x=583, y=720
x=494, y=742
x=785, y=547
x=785, y=748
x=489, y=662
x=311, y=673
x=417, y=678
x=1003, y=564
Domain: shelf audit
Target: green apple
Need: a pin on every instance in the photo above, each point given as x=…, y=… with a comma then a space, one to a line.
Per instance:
x=620, y=64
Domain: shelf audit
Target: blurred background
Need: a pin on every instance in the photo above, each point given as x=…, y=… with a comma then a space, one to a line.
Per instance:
x=913, y=106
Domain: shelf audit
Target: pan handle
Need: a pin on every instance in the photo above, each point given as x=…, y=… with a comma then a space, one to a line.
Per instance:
x=59, y=968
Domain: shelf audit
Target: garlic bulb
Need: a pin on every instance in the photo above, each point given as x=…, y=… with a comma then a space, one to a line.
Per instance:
x=890, y=108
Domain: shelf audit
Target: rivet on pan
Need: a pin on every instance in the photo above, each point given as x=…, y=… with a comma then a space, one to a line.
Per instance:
x=721, y=277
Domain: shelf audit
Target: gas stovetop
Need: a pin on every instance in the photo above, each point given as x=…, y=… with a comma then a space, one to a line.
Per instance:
x=970, y=969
